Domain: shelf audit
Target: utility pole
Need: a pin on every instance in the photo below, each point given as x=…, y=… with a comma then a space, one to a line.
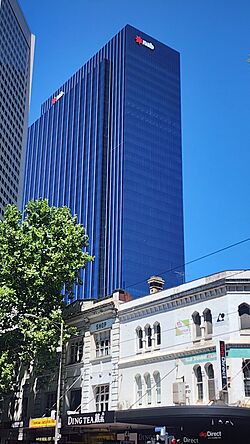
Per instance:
x=58, y=397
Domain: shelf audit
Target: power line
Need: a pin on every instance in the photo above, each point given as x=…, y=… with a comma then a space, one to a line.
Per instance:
x=174, y=328
x=193, y=261
x=163, y=377
x=170, y=346
x=220, y=335
x=154, y=385
x=167, y=374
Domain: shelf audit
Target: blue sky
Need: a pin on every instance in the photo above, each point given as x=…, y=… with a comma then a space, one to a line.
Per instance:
x=213, y=39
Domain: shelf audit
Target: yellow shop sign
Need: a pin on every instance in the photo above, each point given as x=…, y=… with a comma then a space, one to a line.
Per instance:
x=41, y=422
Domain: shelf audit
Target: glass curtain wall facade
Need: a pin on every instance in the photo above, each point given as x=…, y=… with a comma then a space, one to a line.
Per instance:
x=108, y=145
x=16, y=60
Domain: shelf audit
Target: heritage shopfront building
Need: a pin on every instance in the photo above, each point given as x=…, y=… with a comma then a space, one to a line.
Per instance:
x=193, y=424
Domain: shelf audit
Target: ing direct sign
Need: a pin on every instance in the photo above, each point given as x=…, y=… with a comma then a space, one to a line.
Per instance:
x=223, y=365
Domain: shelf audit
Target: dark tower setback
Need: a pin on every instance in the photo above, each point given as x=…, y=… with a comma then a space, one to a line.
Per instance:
x=108, y=145
x=16, y=61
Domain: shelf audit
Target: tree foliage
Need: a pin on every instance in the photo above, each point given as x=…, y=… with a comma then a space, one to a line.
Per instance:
x=41, y=255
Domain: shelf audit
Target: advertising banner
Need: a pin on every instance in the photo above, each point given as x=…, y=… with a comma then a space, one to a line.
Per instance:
x=41, y=422
x=182, y=327
x=223, y=365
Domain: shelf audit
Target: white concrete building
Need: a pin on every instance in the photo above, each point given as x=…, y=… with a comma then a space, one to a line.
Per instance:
x=159, y=350
x=92, y=357
x=188, y=345
x=169, y=344
x=162, y=349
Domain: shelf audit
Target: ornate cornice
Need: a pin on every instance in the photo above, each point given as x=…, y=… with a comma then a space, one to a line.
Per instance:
x=90, y=314
x=173, y=302
x=147, y=358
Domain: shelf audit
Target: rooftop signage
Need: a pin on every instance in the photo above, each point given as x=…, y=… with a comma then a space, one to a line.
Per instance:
x=139, y=40
x=55, y=99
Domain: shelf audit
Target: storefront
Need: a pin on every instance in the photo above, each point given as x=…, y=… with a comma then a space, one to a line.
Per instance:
x=103, y=428
x=34, y=431
x=195, y=424
x=191, y=425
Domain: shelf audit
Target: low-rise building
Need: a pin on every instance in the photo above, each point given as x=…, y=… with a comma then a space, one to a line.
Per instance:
x=172, y=344
x=175, y=358
x=92, y=357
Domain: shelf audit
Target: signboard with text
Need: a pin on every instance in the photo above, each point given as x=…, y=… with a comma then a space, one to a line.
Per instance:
x=101, y=325
x=182, y=327
x=223, y=365
x=88, y=419
x=41, y=422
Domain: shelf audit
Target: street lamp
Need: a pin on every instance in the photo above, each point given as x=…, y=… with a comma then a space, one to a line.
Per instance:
x=59, y=379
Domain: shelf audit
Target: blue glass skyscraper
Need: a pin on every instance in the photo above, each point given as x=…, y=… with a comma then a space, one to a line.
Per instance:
x=108, y=145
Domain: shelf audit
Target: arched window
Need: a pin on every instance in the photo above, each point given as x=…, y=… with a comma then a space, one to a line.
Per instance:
x=157, y=333
x=139, y=333
x=246, y=374
x=148, y=388
x=157, y=383
x=197, y=324
x=210, y=380
x=244, y=313
x=138, y=389
x=148, y=331
x=207, y=315
x=199, y=382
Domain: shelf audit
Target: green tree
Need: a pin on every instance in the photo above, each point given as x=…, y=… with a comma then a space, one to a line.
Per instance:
x=41, y=255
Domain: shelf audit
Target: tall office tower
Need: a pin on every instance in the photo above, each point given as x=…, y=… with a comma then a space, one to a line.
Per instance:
x=108, y=145
x=16, y=60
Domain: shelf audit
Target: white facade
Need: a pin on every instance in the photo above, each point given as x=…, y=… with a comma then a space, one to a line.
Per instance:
x=177, y=361
x=92, y=377
x=160, y=350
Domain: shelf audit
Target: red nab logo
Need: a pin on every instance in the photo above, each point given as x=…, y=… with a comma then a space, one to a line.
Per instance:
x=138, y=40
x=54, y=100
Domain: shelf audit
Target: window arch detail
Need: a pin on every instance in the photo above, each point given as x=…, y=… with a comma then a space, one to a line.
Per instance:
x=148, y=334
x=138, y=383
x=207, y=315
x=148, y=385
x=199, y=382
x=139, y=334
x=148, y=337
x=157, y=333
x=157, y=384
x=210, y=381
x=244, y=314
x=197, y=324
